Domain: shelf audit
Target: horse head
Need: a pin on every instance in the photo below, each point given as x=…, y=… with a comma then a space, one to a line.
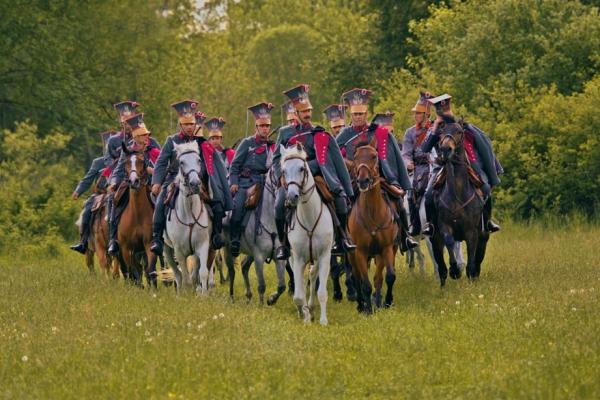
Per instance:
x=188, y=155
x=451, y=140
x=135, y=167
x=295, y=172
x=366, y=165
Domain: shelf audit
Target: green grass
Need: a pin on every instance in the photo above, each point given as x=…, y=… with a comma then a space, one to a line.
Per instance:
x=528, y=329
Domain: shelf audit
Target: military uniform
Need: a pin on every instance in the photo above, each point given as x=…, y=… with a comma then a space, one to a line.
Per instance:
x=335, y=116
x=151, y=151
x=93, y=174
x=479, y=153
x=249, y=166
x=323, y=158
x=214, y=173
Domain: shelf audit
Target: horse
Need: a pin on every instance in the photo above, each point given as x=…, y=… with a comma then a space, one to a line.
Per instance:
x=372, y=227
x=98, y=241
x=259, y=241
x=135, y=228
x=415, y=255
x=459, y=209
x=189, y=225
x=310, y=232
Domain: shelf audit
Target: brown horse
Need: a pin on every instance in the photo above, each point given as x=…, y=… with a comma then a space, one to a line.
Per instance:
x=98, y=243
x=372, y=228
x=135, y=227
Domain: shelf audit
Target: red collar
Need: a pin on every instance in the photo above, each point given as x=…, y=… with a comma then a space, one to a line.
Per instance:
x=306, y=125
x=185, y=137
x=259, y=139
x=359, y=129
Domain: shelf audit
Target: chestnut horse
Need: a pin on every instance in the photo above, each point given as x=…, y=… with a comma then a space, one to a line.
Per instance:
x=135, y=227
x=372, y=227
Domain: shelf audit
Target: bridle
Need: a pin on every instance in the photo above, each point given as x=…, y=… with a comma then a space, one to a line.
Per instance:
x=373, y=175
x=143, y=176
x=186, y=175
x=301, y=184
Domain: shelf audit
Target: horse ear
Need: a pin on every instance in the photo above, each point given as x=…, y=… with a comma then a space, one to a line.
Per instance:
x=282, y=150
x=299, y=147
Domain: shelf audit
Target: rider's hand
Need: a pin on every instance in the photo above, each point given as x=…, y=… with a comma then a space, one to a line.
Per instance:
x=75, y=195
x=150, y=170
x=410, y=165
x=112, y=188
x=234, y=189
x=155, y=189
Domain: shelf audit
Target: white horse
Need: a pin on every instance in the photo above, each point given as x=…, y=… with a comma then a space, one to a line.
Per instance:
x=188, y=225
x=259, y=242
x=310, y=232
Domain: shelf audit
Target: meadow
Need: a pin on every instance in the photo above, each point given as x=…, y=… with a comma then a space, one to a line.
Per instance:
x=527, y=329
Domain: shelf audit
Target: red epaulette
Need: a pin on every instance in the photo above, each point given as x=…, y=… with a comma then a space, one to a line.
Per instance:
x=469, y=149
x=382, y=136
x=106, y=172
x=229, y=153
x=153, y=154
x=321, y=146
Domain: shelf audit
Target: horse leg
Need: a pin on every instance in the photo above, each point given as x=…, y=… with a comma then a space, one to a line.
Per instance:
x=449, y=242
x=202, y=255
x=291, y=284
x=313, y=282
x=280, y=268
x=480, y=253
x=179, y=270
x=89, y=260
x=420, y=258
x=299, y=289
x=219, y=264
x=150, y=267
x=246, y=263
x=460, y=259
x=260, y=276
x=438, y=255
x=471, y=239
x=211, y=275
x=360, y=272
x=378, y=280
x=436, y=271
x=336, y=271
x=324, y=265
x=390, y=275
x=410, y=258
x=350, y=284
x=230, y=263
x=103, y=262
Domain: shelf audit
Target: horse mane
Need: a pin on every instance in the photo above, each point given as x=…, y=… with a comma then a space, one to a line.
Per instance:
x=189, y=146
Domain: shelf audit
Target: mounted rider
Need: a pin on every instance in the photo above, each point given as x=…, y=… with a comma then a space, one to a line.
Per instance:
x=324, y=159
x=335, y=116
x=289, y=112
x=167, y=167
x=479, y=152
x=251, y=162
x=94, y=174
x=140, y=142
x=215, y=128
x=417, y=162
x=390, y=160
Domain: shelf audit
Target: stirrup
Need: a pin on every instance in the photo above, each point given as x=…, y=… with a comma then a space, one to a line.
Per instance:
x=411, y=243
x=492, y=226
x=113, y=248
x=282, y=253
x=157, y=247
x=79, y=247
x=427, y=230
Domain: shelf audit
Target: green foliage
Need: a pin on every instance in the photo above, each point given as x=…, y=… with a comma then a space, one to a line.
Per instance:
x=36, y=182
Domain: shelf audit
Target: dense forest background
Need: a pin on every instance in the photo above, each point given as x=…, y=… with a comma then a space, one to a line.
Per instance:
x=525, y=71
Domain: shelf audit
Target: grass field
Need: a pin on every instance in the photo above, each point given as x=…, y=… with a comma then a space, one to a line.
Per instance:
x=528, y=329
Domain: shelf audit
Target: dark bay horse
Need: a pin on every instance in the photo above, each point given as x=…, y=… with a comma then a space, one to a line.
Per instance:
x=135, y=227
x=372, y=227
x=459, y=208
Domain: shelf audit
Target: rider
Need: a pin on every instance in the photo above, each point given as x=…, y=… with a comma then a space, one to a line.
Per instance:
x=93, y=174
x=390, y=160
x=479, y=152
x=416, y=160
x=288, y=110
x=324, y=158
x=249, y=166
x=335, y=115
x=140, y=142
x=215, y=137
x=167, y=168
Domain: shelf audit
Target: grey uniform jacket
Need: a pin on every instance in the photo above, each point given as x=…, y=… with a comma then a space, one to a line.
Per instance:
x=113, y=148
x=390, y=158
x=250, y=162
x=167, y=167
x=93, y=174
x=329, y=163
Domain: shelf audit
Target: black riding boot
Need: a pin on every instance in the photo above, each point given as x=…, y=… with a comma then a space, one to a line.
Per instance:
x=113, y=245
x=217, y=237
x=283, y=251
x=343, y=243
x=158, y=225
x=235, y=232
x=490, y=225
x=415, y=219
x=86, y=218
x=407, y=241
x=430, y=211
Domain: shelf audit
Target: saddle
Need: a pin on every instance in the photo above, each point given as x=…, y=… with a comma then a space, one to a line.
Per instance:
x=99, y=202
x=440, y=179
x=323, y=190
x=173, y=192
x=253, y=195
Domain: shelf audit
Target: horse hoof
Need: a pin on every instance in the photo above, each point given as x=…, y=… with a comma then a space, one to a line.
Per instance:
x=388, y=305
x=337, y=297
x=271, y=300
x=351, y=297
x=323, y=321
x=455, y=274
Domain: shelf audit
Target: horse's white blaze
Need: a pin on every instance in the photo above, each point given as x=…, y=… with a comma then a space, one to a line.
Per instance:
x=133, y=172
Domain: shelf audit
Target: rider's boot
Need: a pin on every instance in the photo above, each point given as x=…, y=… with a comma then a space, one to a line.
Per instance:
x=430, y=212
x=235, y=232
x=283, y=251
x=86, y=218
x=344, y=243
x=490, y=225
x=415, y=219
x=158, y=225
x=408, y=241
x=217, y=240
x=113, y=245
